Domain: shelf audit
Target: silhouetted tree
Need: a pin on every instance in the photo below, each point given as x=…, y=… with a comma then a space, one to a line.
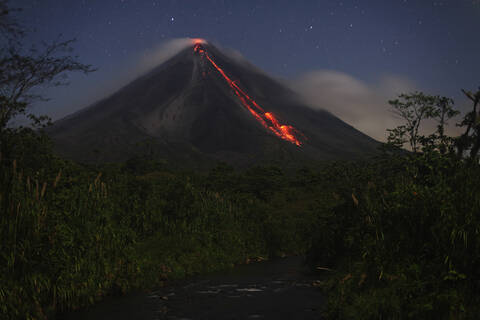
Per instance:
x=24, y=70
x=414, y=108
x=443, y=111
x=470, y=139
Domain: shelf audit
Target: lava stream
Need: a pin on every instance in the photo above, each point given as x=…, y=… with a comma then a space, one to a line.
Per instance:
x=266, y=119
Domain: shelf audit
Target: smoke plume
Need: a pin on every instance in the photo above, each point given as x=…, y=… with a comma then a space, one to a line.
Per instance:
x=360, y=104
x=161, y=53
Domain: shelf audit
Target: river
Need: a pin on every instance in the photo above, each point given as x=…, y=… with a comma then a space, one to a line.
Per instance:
x=277, y=289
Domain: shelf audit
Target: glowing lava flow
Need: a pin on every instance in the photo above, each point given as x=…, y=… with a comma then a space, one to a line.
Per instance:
x=266, y=119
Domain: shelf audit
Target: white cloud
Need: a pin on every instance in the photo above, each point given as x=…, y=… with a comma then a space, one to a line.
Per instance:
x=360, y=104
x=106, y=83
x=161, y=53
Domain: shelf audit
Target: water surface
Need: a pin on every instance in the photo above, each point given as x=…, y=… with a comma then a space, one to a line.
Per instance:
x=277, y=289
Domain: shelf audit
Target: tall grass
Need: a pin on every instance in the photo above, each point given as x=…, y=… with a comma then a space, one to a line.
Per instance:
x=71, y=235
x=60, y=248
x=406, y=240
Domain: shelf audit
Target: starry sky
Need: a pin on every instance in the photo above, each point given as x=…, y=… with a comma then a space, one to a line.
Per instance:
x=431, y=45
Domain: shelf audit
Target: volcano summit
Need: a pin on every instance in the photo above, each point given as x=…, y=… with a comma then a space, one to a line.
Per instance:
x=202, y=106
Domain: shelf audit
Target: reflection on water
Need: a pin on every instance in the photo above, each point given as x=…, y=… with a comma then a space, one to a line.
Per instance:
x=278, y=289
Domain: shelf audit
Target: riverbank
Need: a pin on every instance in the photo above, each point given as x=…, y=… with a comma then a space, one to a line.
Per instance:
x=283, y=288
x=74, y=235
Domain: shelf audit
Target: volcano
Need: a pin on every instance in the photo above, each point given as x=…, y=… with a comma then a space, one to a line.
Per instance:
x=204, y=106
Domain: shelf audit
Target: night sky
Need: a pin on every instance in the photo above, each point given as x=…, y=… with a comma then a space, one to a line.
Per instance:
x=431, y=45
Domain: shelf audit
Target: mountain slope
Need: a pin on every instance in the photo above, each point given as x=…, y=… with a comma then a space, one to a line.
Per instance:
x=199, y=106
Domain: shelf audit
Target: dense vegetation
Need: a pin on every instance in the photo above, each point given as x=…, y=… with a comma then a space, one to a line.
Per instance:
x=404, y=241
x=395, y=237
x=71, y=234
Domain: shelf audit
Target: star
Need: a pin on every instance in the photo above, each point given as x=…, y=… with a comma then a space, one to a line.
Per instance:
x=243, y=26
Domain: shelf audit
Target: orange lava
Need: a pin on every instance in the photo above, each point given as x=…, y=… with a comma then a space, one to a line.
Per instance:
x=266, y=119
x=198, y=41
x=198, y=48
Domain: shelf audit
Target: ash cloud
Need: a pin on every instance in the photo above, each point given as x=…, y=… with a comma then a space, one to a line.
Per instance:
x=360, y=104
x=107, y=83
x=151, y=58
x=159, y=54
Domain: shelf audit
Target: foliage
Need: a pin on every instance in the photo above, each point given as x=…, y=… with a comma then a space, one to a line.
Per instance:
x=470, y=139
x=23, y=71
x=414, y=109
x=72, y=234
x=403, y=239
x=399, y=232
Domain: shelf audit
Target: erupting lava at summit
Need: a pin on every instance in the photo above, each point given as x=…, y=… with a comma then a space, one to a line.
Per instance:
x=266, y=119
x=199, y=41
